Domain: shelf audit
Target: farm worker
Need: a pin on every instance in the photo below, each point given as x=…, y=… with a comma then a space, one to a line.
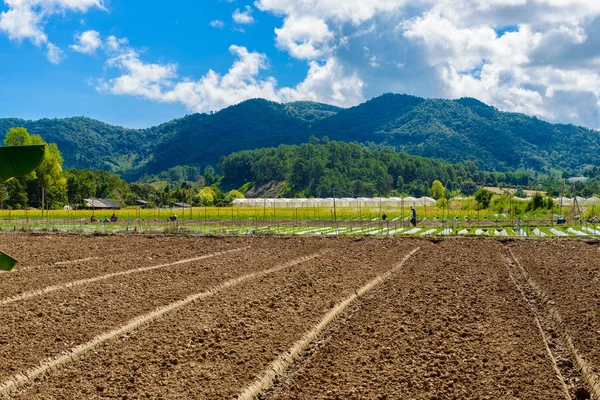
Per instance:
x=113, y=218
x=413, y=220
x=93, y=219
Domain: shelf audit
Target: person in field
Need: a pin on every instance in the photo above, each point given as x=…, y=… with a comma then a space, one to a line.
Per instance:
x=413, y=220
x=113, y=218
x=173, y=218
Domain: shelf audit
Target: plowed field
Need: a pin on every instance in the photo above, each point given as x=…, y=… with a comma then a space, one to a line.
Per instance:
x=299, y=318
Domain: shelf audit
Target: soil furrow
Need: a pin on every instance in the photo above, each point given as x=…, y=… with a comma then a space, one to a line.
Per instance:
x=44, y=327
x=278, y=367
x=579, y=380
x=53, y=364
x=81, y=282
x=451, y=326
x=140, y=254
x=213, y=348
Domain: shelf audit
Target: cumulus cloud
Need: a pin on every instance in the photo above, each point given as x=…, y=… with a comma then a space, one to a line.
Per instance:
x=518, y=55
x=25, y=20
x=540, y=57
x=305, y=37
x=87, y=42
x=243, y=17
x=244, y=80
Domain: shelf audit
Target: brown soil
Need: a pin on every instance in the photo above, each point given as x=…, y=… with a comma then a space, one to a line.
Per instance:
x=569, y=274
x=451, y=326
x=58, y=321
x=38, y=256
x=214, y=348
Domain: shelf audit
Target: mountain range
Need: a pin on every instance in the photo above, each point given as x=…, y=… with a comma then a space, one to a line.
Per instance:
x=451, y=130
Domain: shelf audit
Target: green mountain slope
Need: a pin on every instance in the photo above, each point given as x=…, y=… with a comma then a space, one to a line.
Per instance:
x=88, y=143
x=452, y=130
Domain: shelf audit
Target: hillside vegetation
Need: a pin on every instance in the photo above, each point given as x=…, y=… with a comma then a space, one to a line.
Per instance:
x=452, y=130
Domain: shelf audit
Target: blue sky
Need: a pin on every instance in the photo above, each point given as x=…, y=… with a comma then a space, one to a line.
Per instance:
x=140, y=63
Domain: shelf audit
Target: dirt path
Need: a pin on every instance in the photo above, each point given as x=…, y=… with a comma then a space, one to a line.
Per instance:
x=453, y=326
x=216, y=347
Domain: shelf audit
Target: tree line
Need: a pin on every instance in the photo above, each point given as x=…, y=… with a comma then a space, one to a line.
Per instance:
x=320, y=168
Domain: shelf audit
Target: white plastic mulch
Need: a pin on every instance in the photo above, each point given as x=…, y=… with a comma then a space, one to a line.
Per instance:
x=576, y=232
x=558, y=233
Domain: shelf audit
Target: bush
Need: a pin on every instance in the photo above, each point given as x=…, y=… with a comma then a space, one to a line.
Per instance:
x=483, y=198
x=206, y=197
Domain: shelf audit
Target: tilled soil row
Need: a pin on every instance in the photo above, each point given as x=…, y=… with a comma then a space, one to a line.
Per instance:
x=216, y=347
x=451, y=326
x=280, y=365
x=558, y=352
x=568, y=273
x=581, y=379
x=55, y=363
x=37, y=250
x=44, y=327
x=140, y=253
x=68, y=285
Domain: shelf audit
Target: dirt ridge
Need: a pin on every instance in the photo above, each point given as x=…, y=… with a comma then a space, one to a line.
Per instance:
x=577, y=378
x=279, y=365
x=56, y=363
x=80, y=282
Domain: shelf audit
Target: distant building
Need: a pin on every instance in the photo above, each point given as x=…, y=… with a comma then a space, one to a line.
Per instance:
x=181, y=205
x=101, y=204
x=141, y=203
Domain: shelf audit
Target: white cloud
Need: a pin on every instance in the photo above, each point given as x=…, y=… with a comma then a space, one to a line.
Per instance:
x=518, y=55
x=55, y=55
x=138, y=78
x=160, y=82
x=327, y=83
x=87, y=42
x=540, y=57
x=243, y=17
x=25, y=19
x=217, y=23
x=304, y=37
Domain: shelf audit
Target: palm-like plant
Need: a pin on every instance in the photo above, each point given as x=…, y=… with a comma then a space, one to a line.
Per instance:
x=17, y=161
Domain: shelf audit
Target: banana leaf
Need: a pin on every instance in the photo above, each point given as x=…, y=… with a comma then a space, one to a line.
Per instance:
x=7, y=263
x=17, y=161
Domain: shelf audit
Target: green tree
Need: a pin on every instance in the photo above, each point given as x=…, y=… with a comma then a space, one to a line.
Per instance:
x=48, y=177
x=206, y=197
x=81, y=185
x=232, y=195
x=437, y=190
x=483, y=198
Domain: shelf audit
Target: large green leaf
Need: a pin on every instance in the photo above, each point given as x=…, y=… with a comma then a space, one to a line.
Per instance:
x=7, y=263
x=16, y=161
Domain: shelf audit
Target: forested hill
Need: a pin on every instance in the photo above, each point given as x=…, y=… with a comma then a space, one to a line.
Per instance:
x=314, y=170
x=88, y=143
x=452, y=130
